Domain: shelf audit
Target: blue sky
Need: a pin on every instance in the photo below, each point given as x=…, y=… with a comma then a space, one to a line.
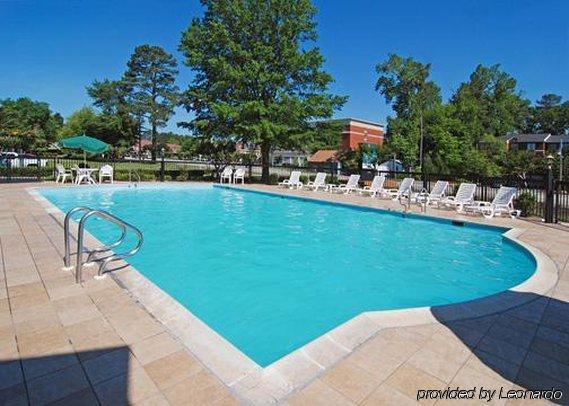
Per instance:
x=51, y=49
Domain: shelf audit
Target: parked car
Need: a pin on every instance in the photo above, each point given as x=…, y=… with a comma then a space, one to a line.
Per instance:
x=24, y=160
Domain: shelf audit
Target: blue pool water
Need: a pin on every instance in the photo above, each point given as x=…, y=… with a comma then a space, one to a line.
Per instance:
x=271, y=274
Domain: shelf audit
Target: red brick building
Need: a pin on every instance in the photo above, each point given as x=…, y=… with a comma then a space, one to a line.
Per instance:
x=354, y=133
x=357, y=132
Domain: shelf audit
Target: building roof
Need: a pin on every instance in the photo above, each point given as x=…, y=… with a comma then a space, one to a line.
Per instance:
x=358, y=120
x=323, y=155
x=529, y=137
x=557, y=139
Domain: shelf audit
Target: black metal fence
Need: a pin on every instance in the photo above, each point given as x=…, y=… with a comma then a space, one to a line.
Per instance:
x=531, y=187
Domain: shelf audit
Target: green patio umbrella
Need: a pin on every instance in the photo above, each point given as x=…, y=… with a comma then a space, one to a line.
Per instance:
x=88, y=145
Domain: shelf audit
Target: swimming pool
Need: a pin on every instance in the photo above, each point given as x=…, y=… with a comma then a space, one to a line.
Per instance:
x=271, y=273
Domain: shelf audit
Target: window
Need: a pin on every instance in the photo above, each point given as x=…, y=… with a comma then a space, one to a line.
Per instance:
x=531, y=146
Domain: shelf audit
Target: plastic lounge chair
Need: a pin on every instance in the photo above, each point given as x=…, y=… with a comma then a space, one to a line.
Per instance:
x=239, y=175
x=319, y=182
x=503, y=202
x=403, y=190
x=436, y=194
x=349, y=187
x=63, y=174
x=464, y=196
x=106, y=172
x=375, y=188
x=226, y=175
x=293, y=181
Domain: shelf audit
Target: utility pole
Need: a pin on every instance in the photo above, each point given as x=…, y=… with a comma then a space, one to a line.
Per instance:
x=421, y=146
x=561, y=161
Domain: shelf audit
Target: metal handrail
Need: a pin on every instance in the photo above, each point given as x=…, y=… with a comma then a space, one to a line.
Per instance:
x=80, y=236
x=130, y=172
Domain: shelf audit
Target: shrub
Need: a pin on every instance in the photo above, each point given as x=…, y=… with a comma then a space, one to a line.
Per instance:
x=525, y=203
x=273, y=179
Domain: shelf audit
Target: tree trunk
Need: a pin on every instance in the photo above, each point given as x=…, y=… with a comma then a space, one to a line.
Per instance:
x=265, y=157
x=153, y=135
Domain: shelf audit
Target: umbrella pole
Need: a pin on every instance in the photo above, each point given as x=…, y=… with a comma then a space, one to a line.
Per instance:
x=84, y=159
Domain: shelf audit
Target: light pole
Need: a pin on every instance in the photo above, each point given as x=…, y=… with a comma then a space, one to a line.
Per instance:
x=549, y=193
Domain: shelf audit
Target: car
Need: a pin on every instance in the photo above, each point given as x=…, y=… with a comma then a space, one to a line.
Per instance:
x=23, y=160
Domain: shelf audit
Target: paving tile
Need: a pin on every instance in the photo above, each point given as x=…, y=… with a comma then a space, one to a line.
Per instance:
x=351, y=381
x=429, y=361
x=408, y=379
x=521, y=338
x=128, y=388
x=29, y=300
x=84, y=397
x=547, y=366
x=386, y=395
x=173, y=368
x=156, y=400
x=318, y=393
x=42, y=365
x=42, y=341
x=57, y=385
x=16, y=395
x=550, y=349
x=138, y=330
x=109, y=365
x=503, y=349
x=155, y=347
x=10, y=373
x=198, y=389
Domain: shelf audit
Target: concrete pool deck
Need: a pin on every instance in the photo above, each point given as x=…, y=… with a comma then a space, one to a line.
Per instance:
x=96, y=343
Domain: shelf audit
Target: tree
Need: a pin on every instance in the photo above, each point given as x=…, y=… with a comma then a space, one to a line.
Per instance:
x=110, y=96
x=489, y=103
x=106, y=127
x=405, y=85
x=258, y=77
x=151, y=80
x=549, y=115
x=27, y=124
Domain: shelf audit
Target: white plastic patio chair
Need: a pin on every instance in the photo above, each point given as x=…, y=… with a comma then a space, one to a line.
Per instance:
x=404, y=189
x=436, y=194
x=319, y=182
x=349, y=187
x=239, y=175
x=503, y=202
x=376, y=187
x=464, y=196
x=226, y=174
x=62, y=174
x=292, y=181
x=106, y=172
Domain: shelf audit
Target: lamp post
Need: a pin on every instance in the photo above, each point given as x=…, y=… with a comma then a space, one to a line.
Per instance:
x=549, y=195
x=162, y=165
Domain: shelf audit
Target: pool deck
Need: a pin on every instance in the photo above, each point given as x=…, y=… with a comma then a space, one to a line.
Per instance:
x=99, y=343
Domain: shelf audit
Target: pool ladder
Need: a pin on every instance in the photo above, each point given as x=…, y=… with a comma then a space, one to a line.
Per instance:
x=92, y=256
x=130, y=183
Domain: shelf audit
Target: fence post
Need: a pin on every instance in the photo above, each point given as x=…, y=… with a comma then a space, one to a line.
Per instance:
x=162, y=165
x=39, y=177
x=8, y=170
x=549, y=196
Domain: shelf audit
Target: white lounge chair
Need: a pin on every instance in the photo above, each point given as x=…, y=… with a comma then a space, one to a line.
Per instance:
x=503, y=202
x=349, y=187
x=226, y=175
x=63, y=174
x=436, y=194
x=376, y=187
x=106, y=172
x=404, y=189
x=292, y=181
x=464, y=196
x=239, y=175
x=319, y=182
